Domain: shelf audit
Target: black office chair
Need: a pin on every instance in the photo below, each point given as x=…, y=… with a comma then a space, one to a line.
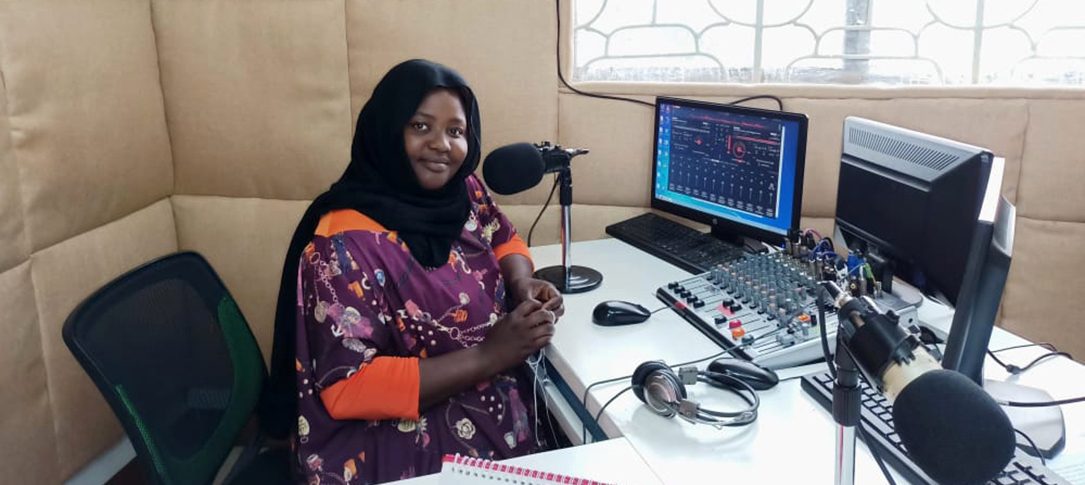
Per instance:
x=169, y=349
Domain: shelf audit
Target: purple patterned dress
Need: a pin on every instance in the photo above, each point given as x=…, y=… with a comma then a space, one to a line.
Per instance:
x=362, y=295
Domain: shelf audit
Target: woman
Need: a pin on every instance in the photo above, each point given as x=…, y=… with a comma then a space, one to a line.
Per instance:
x=393, y=345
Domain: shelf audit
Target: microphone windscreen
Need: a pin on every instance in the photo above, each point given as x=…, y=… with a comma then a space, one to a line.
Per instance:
x=953, y=430
x=513, y=168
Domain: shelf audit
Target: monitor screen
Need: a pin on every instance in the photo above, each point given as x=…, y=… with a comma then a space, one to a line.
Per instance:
x=738, y=169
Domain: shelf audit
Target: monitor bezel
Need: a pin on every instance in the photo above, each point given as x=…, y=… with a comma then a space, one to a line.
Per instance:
x=719, y=223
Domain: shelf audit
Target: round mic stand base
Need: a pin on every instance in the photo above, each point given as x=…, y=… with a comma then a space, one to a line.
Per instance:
x=580, y=279
x=568, y=278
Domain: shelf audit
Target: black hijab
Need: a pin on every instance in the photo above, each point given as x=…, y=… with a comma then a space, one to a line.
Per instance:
x=380, y=183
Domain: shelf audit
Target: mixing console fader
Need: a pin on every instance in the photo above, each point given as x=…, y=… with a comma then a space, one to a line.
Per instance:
x=762, y=305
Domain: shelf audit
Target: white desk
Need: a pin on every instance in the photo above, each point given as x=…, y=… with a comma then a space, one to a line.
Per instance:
x=792, y=440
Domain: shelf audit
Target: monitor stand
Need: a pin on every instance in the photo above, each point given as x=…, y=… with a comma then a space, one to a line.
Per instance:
x=728, y=237
x=1044, y=424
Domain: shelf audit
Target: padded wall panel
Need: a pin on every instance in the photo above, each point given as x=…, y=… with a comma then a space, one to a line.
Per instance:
x=12, y=233
x=504, y=49
x=245, y=240
x=86, y=117
x=998, y=125
x=256, y=95
x=64, y=275
x=589, y=222
x=618, y=171
x=1054, y=166
x=1043, y=297
x=27, y=444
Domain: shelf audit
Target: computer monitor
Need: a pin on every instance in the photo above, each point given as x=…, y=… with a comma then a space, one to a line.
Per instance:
x=931, y=208
x=987, y=266
x=734, y=168
x=909, y=201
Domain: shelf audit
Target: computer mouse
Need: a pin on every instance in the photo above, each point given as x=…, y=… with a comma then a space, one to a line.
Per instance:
x=756, y=376
x=616, y=312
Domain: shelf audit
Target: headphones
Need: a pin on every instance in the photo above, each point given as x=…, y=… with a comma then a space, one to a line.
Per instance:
x=656, y=385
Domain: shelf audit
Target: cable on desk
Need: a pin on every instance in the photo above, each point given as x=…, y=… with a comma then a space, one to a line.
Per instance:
x=870, y=444
x=600, y=413
x=1033, y=444
x=877, y=455
x=537, y=366
x=1041, y=404
x=1046, y=345
x=1014, y=369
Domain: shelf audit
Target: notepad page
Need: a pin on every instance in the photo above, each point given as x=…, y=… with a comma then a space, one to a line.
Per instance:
x=462, y=470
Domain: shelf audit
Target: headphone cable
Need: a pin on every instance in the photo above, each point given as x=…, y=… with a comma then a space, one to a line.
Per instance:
x=600, y=413
x=584, y=396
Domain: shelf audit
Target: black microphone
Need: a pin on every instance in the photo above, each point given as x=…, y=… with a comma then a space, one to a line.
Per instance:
x=520, y=166
x=953, y=430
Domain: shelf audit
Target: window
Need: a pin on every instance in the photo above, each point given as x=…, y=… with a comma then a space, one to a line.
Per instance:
x=903, y=42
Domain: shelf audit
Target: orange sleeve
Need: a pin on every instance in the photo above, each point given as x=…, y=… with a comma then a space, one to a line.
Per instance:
x=514, y=245
x=386, y=388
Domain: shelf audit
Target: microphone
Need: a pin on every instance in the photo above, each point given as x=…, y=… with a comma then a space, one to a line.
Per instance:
x=520, y=166
x=953, y=430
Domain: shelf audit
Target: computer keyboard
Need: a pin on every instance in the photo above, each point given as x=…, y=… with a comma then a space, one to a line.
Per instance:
x=682, y=246
x=877, y=420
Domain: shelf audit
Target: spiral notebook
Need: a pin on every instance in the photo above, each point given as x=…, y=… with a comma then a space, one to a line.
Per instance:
x=462, y=470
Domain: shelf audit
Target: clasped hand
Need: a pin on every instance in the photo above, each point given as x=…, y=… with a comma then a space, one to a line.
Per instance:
x=528, y=289
x=529, y=326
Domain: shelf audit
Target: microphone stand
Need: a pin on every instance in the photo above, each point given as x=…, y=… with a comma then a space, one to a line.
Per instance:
x=846, y=394
x=567, y=277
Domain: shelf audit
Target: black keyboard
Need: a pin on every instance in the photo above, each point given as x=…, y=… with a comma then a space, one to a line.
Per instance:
x=680, y=245
x=877, y=421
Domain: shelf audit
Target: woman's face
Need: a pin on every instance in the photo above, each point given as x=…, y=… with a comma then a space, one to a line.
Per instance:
x=436, y=139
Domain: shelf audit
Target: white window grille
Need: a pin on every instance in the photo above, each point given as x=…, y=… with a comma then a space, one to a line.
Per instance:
x=927, y=42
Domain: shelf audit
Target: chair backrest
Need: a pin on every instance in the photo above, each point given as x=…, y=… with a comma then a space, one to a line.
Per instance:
x=169, y=349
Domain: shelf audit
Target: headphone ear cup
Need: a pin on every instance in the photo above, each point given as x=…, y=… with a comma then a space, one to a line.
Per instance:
x=640, y=376
x=657, y=386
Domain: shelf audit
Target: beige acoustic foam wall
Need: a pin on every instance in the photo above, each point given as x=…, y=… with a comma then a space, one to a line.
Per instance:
x=63, y=276
x=12, y=223
x=256, y=95
x=28, y=445
x=504, y=49
x=245, y=240
x=85, y=113
x=1043, y=299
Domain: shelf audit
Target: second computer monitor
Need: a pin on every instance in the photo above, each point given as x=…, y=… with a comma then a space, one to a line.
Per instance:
x=737, y=169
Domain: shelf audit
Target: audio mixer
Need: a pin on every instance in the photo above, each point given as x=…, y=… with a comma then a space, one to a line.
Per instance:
x=763, y=306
